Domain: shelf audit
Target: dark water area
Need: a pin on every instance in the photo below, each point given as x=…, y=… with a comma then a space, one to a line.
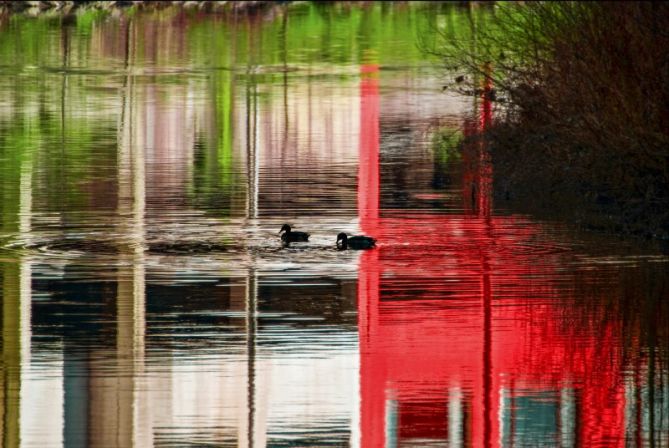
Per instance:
x=147, y=163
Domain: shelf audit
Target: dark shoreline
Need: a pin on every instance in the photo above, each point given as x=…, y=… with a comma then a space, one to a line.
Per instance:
x=524, y=182
x=35, y=8
x=582, y=130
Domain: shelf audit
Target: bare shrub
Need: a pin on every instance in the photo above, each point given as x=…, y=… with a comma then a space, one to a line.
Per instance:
x=586, y=114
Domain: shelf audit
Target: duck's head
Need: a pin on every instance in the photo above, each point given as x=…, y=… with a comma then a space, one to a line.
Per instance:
x=285, y=228
x=343, y=238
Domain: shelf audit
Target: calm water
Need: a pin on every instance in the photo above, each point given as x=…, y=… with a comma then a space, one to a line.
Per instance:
x=148, y=161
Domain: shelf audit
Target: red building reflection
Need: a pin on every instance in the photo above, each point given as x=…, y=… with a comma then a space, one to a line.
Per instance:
x=457, y=338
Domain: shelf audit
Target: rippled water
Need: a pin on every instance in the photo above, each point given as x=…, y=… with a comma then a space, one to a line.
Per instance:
x=148, y=161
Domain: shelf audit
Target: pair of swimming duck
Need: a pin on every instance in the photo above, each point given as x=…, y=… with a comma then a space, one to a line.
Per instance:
x=358, y=242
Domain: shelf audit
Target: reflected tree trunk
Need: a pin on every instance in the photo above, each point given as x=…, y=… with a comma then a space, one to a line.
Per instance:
x=252, y=146
x=252, y=136
x=251, y=330
x=62, y=167
x=11, y=355
x=284, y=59
x=16, y=315
x=119, y=405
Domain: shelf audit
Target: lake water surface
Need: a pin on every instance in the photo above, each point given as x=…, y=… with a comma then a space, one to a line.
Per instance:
x=147, y=163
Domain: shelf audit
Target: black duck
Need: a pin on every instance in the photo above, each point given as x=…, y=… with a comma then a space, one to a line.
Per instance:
x=290, y=236
x=354, y=242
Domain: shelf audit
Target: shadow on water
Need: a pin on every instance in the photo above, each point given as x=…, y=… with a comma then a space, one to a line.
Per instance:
x=146, y=292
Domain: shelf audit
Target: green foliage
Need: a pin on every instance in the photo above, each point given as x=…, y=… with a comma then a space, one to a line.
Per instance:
x=446, y=145
x=312, y=33
x=28, y=41
x=87, y=18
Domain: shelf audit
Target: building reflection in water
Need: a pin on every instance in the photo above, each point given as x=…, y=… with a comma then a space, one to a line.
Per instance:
x=461, y=346
x=470, y=335
x=16, y=316
x=116, y=350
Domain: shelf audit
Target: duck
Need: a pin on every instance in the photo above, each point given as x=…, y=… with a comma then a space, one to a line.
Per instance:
x=288, y=236
x=357, y=242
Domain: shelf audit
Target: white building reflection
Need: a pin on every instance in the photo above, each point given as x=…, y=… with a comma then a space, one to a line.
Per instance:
x=117, y=394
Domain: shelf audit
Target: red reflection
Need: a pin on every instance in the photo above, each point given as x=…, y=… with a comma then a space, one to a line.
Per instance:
x=454, y=331
x=456, y=311
x=368, y=172
x=477, y=175
x=485, y=163
x=368, y=213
